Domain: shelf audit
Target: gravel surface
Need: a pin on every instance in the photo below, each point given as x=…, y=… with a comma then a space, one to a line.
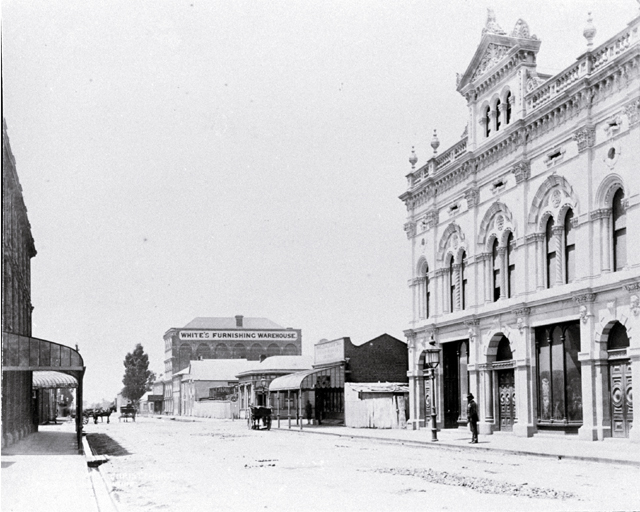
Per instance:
x=221, y=465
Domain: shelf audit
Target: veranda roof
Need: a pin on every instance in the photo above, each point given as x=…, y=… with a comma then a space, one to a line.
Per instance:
x=305, y=379
x=53, y=380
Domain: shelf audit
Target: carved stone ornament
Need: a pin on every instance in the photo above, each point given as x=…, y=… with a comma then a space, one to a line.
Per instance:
x=632, y=287
x=585, y=137
x=585, y=298
x=556, y=198
x=584, y=314
x=522, y=171
x=632, y=111
x=634, y=304
x=492, y=56
x=521, y=325
x=472, y=196
x=410, y=229
x=455, y=240
x=500, y=222
x=521, y=30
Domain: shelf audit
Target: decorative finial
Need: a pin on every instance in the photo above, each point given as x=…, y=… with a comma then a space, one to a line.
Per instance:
x=413, y=159
x=491, y=26
x=435, y=143
x=589, y=31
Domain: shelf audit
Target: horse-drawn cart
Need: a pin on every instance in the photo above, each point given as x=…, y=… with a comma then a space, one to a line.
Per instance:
x=258, y=415
x=126, y=412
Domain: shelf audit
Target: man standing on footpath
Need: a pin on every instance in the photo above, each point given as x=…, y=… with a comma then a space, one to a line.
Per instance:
x=472, y=417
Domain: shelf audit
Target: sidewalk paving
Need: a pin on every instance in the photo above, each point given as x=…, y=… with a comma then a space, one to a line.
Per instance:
x=614, y=451
x=45, y=472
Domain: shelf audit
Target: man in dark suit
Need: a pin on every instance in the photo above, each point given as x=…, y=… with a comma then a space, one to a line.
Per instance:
x=472, y=417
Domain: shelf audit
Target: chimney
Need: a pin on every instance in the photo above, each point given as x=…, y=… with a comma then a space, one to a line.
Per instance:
x=239, y=320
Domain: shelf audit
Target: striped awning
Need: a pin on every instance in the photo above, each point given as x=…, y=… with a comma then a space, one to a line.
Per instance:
x=53, y=380
x=306, y=379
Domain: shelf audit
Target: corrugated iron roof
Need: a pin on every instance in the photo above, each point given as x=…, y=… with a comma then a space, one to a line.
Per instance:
x=281, y=363
x=203, y=322
x=217, y=369
x=53, y=380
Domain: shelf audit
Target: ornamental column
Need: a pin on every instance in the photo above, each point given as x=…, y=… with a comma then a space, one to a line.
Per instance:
x=457, y=303
x=414, y=395
x=558, y=235
x=488, y=276
x=633, y=326
x=486, y=423
x=591, y=369
x=502, y=255
x=542, y=260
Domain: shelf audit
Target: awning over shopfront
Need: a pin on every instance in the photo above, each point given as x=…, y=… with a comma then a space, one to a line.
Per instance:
x=306, y=379
x=53, y=380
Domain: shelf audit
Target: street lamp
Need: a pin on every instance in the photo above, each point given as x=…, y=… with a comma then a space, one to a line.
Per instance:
x=431, y=361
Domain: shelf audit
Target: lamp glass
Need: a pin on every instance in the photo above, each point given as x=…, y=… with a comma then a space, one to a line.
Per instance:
x=433, y=357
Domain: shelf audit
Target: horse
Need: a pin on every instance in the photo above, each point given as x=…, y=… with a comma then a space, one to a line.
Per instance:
x=101, y=413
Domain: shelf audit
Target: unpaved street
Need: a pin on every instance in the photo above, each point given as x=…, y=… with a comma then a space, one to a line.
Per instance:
x=221, y=465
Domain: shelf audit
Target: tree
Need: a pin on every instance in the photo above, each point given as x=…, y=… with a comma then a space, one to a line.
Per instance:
x=138, y=379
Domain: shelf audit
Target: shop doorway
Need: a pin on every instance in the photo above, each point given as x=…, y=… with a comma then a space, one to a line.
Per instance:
x=451, y=390
x=507, y=397
x=621, y=394
x=506, y=386
x=621, y=398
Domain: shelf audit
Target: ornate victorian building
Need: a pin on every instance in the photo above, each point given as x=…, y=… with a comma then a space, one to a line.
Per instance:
x=522, y=239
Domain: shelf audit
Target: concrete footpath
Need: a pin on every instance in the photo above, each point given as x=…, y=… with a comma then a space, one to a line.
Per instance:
x=45, y=472
x=612, y=451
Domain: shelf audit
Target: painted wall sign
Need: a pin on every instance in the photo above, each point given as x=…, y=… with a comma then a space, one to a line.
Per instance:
x=232, y=335
x=329, y=351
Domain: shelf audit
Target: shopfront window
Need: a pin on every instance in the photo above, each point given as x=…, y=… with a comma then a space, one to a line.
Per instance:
x=559, y=378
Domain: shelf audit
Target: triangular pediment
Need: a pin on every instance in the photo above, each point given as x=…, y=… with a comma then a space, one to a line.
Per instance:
x=495, y=47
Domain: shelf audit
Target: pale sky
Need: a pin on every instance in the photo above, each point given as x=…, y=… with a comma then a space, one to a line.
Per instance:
x=195, y=158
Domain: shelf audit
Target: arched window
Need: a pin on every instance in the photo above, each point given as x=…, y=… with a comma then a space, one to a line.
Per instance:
x=498, y=115
x=239, y=351
x=487, y=122
x=255, y=352
x=569, y=248
x=619, y=231
x=463, y=281
x=551, y=253
x=290, y=350
x=504, y=350
x=511, y=268
x=618, y=337
x=507, y=114
x=427, y=292
x=495, y=258
x=221, y=351
x=452, y=285
x=273, y=350
x=203, y=351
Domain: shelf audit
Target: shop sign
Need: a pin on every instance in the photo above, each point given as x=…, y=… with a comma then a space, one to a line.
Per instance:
x=231, y=335
x=329, y=352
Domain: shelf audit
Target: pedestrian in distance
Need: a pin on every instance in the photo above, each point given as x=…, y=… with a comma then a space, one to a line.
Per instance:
x=472, y=417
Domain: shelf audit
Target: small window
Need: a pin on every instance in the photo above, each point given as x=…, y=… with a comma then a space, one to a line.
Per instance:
x=511, y=268
x=497, y=115
x=508, y=108
x=487, y=122
x=569, y=248
x=452, y=286
x=619, y=231
x=463, y=280
x=427, y=292
x=496, y=270
x=551, y=253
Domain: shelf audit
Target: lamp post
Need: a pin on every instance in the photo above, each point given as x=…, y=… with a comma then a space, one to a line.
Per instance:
x=431, y=361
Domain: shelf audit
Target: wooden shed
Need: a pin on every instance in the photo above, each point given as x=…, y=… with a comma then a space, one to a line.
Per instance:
x=376, y=405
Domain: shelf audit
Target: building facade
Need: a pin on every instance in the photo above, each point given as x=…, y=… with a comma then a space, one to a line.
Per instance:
x=222, y=338
x=522, y=236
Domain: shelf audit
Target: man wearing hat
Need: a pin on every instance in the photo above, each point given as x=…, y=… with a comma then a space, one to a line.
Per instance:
x=472, y=417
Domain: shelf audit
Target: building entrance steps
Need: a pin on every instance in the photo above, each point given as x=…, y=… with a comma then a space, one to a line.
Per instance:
x=45, y=472
x=614, y=451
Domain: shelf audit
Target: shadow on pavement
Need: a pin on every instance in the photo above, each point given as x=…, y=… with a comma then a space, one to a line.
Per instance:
x=45, y=443
x=102, y=444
